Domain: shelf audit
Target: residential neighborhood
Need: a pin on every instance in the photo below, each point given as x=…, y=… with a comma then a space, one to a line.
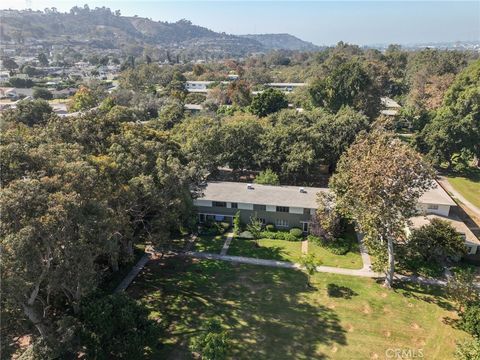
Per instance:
x=218, y=180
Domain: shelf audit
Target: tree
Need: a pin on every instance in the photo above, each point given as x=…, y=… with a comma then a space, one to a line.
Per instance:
x=267, y=177
x=40, y=93
x=347, y=84
x=255, y=227
x=237, y=223
x=42, y=59
x=8, y=63
x=378, y=183
x=461, y=287
x=84, y=99
x=213, y=343
x=309, y=263
x=29, y=112
x=327, y=223
x=268, y=102
x=117, y=327
x=454, y=129
x=239, y=93
x=436, y=241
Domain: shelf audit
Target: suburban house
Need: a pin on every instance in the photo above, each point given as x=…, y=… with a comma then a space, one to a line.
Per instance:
x=283, y=206
x=287, y=87
x=293, y=206
x=436, y=203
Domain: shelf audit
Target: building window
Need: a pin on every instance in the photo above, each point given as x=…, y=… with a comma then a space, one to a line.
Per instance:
x=306, y=211
x=432, y=207
x=258, y=207
x=234, y=205
x=283, y=209
x=219, y=204
x=305, y=227
x=201, y=218
x=281, y=223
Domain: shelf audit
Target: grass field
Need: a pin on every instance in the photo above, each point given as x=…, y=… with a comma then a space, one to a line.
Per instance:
x=292, y=251
x=212, y=244
x=468, y=186
x=271, y=314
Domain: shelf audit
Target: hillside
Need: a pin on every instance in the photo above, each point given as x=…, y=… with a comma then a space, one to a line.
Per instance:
x=282, y=41
x=100, y=28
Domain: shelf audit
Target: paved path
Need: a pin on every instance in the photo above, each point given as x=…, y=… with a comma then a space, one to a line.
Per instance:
x=226, y=245
x=305, y=247
x=133, y=273
x=280, y=264
x=449, y=188
x=367, y=262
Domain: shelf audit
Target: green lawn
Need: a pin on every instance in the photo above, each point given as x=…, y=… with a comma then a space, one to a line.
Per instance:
x=468, y=186
x=211, y=244
x=292, y=251
x=271, y=314
x=269, y=249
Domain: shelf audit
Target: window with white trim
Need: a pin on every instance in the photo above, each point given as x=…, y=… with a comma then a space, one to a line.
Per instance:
x=281, y=223
x=432, y=207
x=285, y=209
x=219, y=204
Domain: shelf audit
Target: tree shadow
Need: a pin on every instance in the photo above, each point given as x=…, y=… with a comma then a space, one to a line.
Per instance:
x=264, y=309
x=428, y=293
x=337, y=291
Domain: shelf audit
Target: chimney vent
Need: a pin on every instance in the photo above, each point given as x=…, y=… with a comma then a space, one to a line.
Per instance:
x=302, y=190
x=249, y=186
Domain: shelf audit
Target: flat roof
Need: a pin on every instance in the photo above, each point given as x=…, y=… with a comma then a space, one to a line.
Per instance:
x=286, y=84
x=261, y=194
x=457, y=224
x=436, y=196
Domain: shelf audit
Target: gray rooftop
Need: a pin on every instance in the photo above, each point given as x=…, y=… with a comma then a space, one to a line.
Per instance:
x=262, y=194
x=437, y=196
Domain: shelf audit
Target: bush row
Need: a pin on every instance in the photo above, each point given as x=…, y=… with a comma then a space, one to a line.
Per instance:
x=339, y=246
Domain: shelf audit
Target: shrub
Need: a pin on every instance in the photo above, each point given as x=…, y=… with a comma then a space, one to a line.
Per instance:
x=315, y=240
x=245, y=235
x=290, y=237
x=470, y=319
x=296, y=232
x=339, y=248
x=270, y=227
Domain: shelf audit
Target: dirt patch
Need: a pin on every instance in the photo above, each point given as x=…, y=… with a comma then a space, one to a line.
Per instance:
x=349, y=327
x=415, y=326
x=387, y=333
x=367, y=309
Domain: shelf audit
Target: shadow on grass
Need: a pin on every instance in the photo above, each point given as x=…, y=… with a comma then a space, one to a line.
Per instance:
x=343, y=292
x=428, y=293
x=264, y=309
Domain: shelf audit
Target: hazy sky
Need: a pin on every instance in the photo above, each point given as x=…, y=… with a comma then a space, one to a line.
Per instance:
x=321, y=22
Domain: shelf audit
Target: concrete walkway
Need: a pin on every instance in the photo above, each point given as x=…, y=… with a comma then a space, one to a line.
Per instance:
x=449, y=188
x=367, y=262
x=305, y=247
x=133, y=273
x=279, y=264
x=226, y=245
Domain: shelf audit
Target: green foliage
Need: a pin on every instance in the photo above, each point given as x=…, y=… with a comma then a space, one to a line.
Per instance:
x=327, y=222
x=461, y=288
x=338, y=246
x=454, y=129
x=268, y=102
x=246, y=235
x=270, y=228
x=468, y=350
x=237, y=224
x=309, y=262
x=20, y=83
x=41, y=93
x=115, y=326
x=255, y=227
x=29, y=112
x=212, y=343
x=298, y=233
x=365, y=192
x=280, y=235
x=435, y=242
x=470, y=319
x=347, y=84
x=267, y=177
x=84, y=99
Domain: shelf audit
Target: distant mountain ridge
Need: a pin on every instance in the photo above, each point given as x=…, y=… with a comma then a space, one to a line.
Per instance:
x=103, y=29
x=282, y=41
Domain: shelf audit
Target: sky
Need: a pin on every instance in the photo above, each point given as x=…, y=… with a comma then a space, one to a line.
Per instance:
x=321, y=22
